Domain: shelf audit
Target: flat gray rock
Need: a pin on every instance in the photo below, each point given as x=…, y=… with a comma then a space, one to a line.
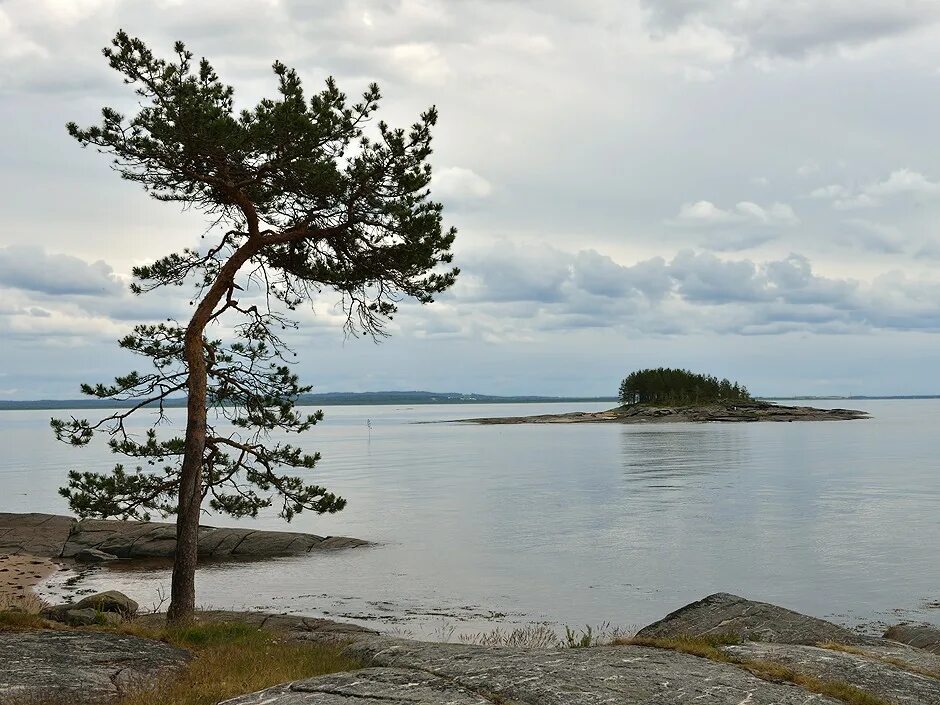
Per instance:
x=921, y=636
x=625, y=675
x=79, y=667
x=54, y=536
x=369, y=685
x=41, y=535
x=723, y=613
x=875, y=676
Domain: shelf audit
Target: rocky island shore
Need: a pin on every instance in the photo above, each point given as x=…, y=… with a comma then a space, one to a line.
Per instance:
x=750, y=411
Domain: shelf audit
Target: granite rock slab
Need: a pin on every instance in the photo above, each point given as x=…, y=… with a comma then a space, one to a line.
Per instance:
x=80, y=666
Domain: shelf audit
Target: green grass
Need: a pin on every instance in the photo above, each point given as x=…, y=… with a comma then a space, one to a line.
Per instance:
x=15, y=621
x=232, y=658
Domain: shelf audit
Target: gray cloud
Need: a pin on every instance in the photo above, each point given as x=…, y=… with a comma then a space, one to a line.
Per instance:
x=574, y=132
x=794, y=29
x=31, y=268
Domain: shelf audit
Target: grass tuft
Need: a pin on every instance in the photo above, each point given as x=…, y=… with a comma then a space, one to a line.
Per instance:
x=16, y=621
x=230, y=659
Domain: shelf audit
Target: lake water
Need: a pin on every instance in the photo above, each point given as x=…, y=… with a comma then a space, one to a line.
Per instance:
x=486, y=526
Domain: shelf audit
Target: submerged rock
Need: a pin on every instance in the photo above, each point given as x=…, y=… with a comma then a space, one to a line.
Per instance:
x=79, y=667
x=726, y=614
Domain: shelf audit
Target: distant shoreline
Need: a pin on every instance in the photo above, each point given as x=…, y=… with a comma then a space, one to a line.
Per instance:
x=326, y=399
x=409, y=398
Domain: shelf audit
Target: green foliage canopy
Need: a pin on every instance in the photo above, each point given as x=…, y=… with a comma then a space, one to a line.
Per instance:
x=666, y=385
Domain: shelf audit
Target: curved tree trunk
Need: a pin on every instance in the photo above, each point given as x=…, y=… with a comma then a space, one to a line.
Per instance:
x=183, y=582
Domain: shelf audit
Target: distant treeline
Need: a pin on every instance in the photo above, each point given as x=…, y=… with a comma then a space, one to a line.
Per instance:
x=666, y=385
x=325, y=399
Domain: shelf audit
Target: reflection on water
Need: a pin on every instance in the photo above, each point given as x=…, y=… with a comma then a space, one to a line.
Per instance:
x=670, y=464
x=574, y=524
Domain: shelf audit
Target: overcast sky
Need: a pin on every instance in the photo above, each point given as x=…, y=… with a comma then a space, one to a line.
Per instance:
x=747, y=188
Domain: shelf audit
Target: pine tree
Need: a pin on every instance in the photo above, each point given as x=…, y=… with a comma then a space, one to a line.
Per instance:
x=303, y=201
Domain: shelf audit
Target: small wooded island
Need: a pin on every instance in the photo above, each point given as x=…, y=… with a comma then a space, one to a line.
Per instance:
x=667, y=395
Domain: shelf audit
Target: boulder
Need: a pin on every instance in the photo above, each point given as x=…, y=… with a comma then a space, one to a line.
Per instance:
x=919, y=635
x=110, y=601
x=88, y=617
x=726, y=614
x=79, y=667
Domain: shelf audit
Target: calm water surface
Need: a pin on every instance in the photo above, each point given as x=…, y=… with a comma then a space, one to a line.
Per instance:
x=485, y=526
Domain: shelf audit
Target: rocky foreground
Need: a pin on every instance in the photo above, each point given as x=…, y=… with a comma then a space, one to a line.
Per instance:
x=722, y=413
x=97, y=540
x=767, y=655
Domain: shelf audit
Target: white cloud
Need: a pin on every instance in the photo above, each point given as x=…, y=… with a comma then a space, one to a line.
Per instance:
x=706, y=213
x=904, y=181
x=831, y=191
x=420, y=62
x=897, y=183
x=854, y=202
x=459, y=185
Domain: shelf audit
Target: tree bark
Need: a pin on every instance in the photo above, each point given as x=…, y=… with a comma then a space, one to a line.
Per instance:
x=183, y=582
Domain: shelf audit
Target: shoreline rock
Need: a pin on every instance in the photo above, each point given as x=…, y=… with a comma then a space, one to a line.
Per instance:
x=724, y=614
x=740, y=412
x=426, y=673
x=56, y=536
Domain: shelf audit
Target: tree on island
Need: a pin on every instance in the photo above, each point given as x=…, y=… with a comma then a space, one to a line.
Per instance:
x=665, y=385
x=302, y=202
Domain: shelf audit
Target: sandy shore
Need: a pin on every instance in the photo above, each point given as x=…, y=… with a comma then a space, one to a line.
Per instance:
x=19, y=574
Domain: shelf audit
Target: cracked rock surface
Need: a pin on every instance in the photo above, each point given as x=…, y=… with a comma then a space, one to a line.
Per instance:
x=417, y=673
x=79, y=667
x=369, y=685
x=880, y=678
